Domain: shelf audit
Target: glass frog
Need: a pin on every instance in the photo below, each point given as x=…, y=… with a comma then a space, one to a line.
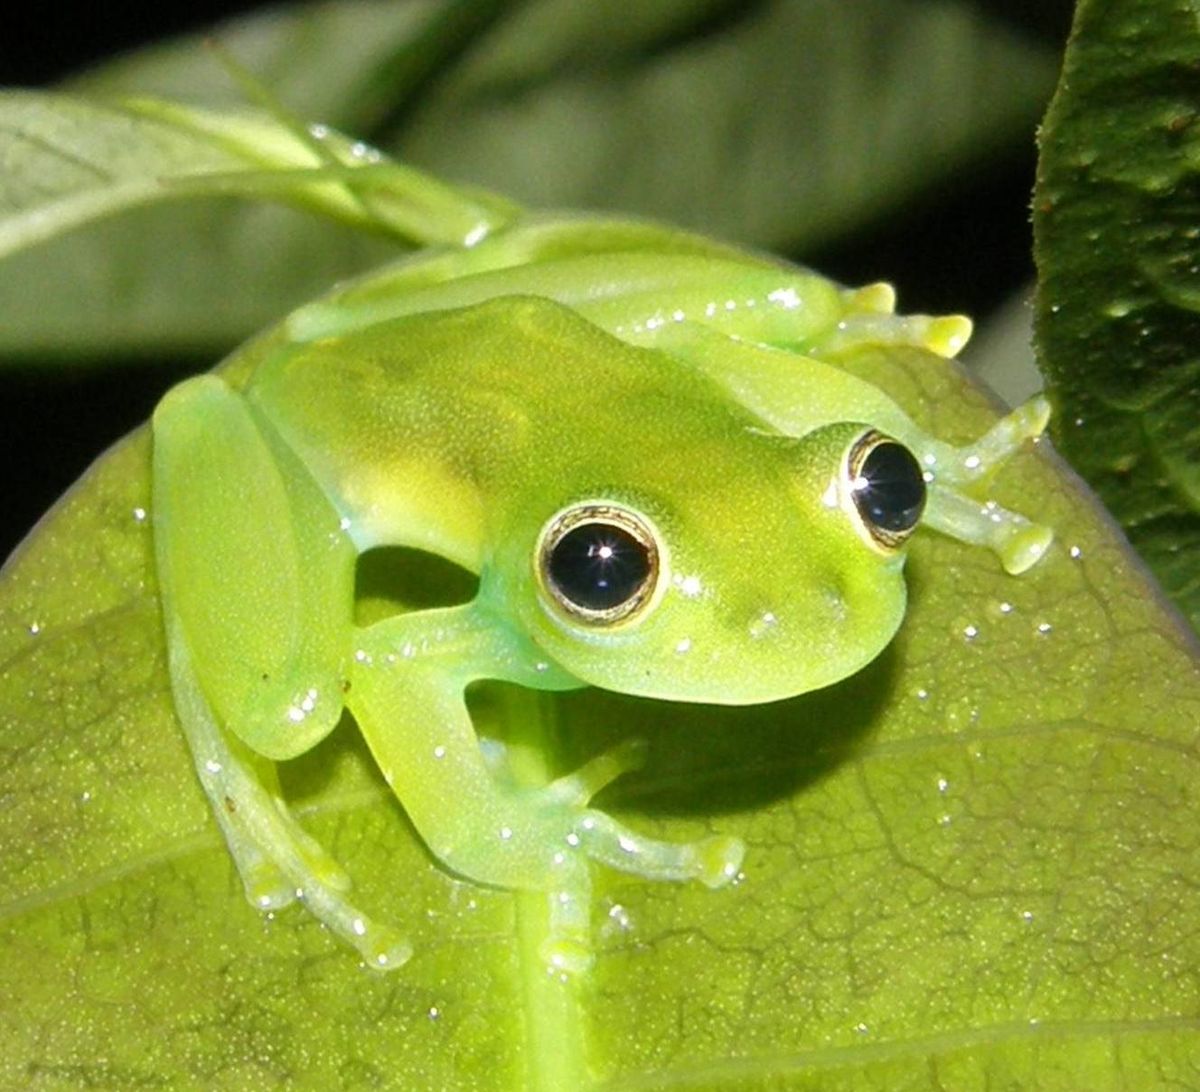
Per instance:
x=639, y=440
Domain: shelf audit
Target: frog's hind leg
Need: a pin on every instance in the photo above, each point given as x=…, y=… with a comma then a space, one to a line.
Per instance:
x=256, y=582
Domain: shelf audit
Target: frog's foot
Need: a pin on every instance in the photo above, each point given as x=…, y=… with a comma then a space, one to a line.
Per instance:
x=277, y=860
x=1017, y=542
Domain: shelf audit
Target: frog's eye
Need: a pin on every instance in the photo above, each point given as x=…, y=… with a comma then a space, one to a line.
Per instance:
x=599, y=563
x=885, y=482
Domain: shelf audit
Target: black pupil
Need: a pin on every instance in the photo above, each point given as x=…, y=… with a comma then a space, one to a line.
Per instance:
x=892, y=494
x=598, y=566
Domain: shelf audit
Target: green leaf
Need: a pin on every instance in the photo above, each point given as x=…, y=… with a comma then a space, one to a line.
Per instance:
x=1118, y=323
x=972, y=865
x=780, y=124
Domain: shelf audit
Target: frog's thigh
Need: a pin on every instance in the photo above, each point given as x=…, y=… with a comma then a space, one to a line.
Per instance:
x=256, y=574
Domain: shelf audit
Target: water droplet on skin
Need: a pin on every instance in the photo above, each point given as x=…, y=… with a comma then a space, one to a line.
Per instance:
x=1117, y=308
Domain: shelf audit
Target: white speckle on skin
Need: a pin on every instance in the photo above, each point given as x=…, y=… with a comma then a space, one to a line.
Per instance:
x=1027, y=915
x=619, y=916
x=689, y=586
x=785, y=298
x=1044, y=627
x=628, y=845
x=972, y=462
x=1006, y=608
x=572, y=839
x=505, y=833
x=475, y=235
x=35, y=628
x=942, y=784
x=439, y=751
x=763, y=624
x=970, y=632
x=678, y=316
x=1075, y=552
x=830, y=497
x=212, y=766
x=139, y=514
x=683, y=646
x=922, y=693
x=359, y=926
x=434, y=1012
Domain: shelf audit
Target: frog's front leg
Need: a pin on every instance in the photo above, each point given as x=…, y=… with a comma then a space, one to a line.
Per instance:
x=407, y=694
x=256, y=582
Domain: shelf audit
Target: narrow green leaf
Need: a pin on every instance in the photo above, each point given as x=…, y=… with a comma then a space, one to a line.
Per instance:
x=1118, y=312
x=69, y=161
x=972, y=865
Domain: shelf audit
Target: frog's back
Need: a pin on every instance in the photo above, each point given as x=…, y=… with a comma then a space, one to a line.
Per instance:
x=417, y=426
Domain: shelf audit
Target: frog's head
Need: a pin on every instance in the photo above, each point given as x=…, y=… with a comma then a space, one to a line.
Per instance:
x=771, y=572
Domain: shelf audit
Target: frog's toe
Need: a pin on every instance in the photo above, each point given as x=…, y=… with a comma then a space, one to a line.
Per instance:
x=579, y=787
x=719, y=860
x=267, y=888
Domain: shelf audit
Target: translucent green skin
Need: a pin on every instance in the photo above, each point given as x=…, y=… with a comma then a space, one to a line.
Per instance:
x=456, y=403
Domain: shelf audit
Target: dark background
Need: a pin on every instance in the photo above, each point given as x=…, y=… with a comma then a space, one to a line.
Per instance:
x=54, y=421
